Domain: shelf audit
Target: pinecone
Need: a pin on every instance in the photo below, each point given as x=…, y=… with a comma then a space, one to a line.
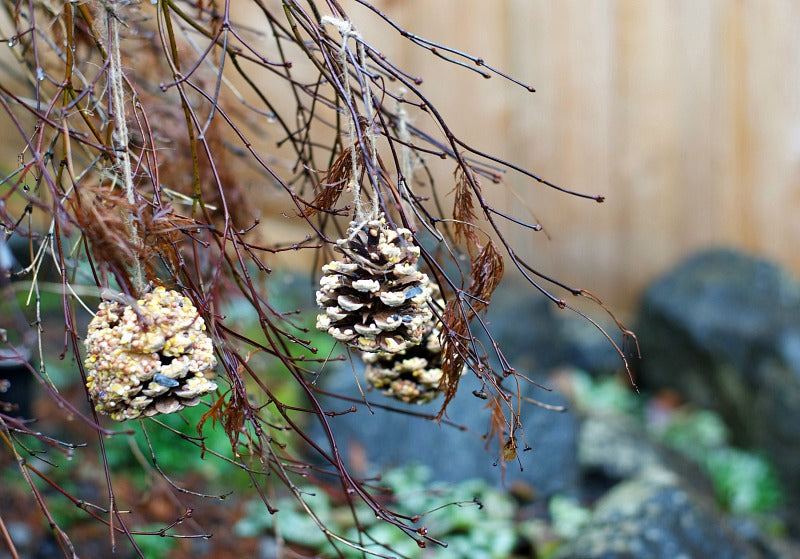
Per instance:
x=375, y=299
x=148, y=358
x=411, y=376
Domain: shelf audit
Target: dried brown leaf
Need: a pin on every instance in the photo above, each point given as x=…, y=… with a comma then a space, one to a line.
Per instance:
x=332, y=185
x=101, y=214
x=215, y=414
x=229, y=412
x=464, y=210
x=497, y=420
x=161, y=229
x=454, y=338
x=487, y=272
x=499, y=429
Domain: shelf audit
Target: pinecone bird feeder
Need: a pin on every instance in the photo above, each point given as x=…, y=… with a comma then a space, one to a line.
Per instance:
x=375, y=298
x=148, y=358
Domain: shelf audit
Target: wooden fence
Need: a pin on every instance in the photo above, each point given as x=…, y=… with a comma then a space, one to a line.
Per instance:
x=684, y=113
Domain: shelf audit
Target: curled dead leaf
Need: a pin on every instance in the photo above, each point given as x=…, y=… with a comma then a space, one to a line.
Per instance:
x=464, y=210
x=454, y=339
x=330, y=188
x=487, y=272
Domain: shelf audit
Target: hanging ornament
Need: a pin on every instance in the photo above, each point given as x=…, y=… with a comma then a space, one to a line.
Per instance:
x=413, y=375
x=152, y=356
x=375, y=298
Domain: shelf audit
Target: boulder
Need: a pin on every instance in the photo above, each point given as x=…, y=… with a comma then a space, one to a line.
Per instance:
x=381, y=439
x=525, y=325
x=655, y=517
x=536, y=335
x=650, y=502
x=613, y=448
x=583, y=346
x=723, y=329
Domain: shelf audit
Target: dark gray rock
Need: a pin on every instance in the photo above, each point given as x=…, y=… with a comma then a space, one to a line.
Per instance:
x=723, y=329
x=654, y=503
x=614, y=448
x=585, y=347
x=536, y=335
x=388, y=439
x=530, y=335
x=525, y=325
x=655, y=517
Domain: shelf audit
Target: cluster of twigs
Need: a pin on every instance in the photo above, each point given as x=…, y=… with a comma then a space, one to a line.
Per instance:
x=139, y=132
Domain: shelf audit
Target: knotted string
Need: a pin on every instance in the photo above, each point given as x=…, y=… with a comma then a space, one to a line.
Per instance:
x=120, y=135
x=346, y=30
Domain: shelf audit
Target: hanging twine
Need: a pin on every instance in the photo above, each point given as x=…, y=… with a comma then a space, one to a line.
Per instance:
x=406, y=157
x=117, y=86
x=362, y=59
x=406, y=162
x=346, y=31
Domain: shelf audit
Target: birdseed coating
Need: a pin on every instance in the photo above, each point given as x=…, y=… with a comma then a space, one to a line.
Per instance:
x=413, y=375
x=149, y=357
x=375, y=299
